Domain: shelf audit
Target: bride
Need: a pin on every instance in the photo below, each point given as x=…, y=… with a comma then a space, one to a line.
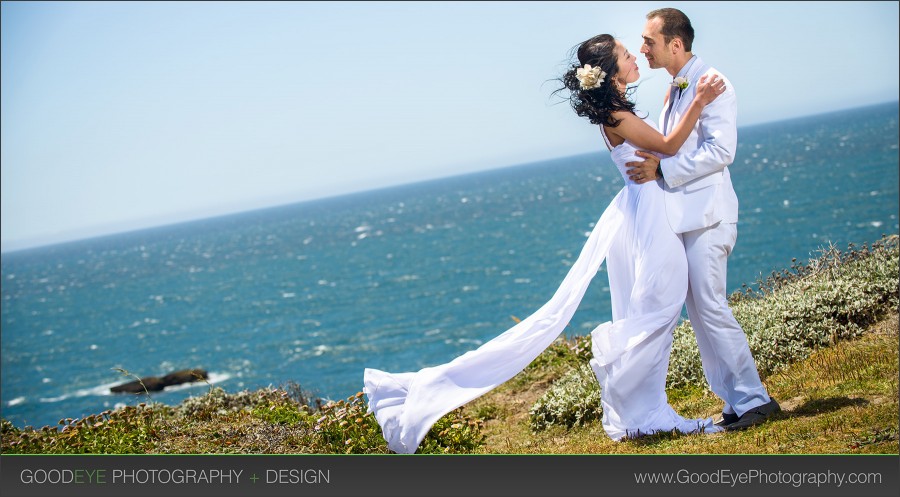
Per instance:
x=647, y=279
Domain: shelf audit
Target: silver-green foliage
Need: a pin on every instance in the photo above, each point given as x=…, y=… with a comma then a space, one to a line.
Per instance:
x=572, y=400
x=833, y=297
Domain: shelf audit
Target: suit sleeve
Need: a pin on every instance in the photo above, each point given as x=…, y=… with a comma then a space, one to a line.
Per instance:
x=717, y=133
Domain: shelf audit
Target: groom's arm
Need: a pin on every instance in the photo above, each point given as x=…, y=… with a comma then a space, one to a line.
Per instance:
x=717, y=128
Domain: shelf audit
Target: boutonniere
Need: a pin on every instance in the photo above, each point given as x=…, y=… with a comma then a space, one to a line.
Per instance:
x=680, y=83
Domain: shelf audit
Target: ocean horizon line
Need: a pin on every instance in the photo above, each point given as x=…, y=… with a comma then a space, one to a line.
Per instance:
x=137, y=226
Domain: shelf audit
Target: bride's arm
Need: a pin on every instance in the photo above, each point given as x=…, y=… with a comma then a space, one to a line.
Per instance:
x=643, y=136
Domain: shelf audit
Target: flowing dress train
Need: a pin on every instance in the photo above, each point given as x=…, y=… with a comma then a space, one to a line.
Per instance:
x=648, y=283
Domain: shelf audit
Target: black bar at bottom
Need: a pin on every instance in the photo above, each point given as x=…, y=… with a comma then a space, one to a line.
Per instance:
x=417, y=475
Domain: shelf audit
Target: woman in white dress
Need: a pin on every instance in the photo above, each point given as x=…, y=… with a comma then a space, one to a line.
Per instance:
x=647, y=278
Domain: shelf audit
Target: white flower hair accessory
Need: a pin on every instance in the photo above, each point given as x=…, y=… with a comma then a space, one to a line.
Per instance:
x=590, y=77
x=680, y=83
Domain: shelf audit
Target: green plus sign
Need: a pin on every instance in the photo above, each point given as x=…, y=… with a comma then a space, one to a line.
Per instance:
x=254, y=477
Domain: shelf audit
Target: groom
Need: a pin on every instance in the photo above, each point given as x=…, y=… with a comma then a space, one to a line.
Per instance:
x=702, y=208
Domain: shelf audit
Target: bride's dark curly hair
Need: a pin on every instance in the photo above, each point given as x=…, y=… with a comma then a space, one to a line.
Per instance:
x=597, y=104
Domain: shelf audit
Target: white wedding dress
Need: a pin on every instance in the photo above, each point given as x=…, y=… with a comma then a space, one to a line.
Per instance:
x=648, y=283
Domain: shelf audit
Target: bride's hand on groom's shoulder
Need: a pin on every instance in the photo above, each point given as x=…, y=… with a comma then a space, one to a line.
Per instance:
x=709, y=86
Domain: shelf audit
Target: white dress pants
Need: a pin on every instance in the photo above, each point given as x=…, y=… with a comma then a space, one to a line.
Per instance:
x=727, y=362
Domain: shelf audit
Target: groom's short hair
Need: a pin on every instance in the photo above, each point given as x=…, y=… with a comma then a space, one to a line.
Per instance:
x=675, y=24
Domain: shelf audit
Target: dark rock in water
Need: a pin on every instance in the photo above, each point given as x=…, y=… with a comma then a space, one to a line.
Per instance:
x=155, y=384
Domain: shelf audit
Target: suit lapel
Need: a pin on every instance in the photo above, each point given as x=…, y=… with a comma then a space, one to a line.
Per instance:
x=697, y=69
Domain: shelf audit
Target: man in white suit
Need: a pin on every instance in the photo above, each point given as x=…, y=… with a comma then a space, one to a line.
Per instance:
x=702, y=208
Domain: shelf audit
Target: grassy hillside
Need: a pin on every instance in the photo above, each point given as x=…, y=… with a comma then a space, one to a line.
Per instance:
x=824, y=334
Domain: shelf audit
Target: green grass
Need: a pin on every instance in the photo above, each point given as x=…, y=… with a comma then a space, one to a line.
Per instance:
x=824, y=333
x=842, y=399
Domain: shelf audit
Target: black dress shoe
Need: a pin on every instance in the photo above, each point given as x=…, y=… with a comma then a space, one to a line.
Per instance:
x=727, y=419
x=755, y=416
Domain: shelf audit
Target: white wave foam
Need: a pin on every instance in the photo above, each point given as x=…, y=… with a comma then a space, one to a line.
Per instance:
x=104, y=390
x=100, y=390
x=462, y=341
x=213, y=379
x=16, y=401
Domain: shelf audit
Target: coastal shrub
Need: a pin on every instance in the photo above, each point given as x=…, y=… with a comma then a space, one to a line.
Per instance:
x=832, y=297
x=791, y=313
x=282, y=412
x=581, y=347
x=454, y=433
x=346, y=427
x=128, y=430
x=572, y=400
x=267, y=419
x=217, y=402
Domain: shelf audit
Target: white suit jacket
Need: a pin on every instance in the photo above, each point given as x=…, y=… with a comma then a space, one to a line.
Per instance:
x=698, y=186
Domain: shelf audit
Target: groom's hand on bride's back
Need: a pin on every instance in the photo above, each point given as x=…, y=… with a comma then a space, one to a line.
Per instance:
x=643, y=171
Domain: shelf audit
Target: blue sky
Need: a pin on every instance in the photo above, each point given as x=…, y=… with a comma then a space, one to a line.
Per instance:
x=119, y=116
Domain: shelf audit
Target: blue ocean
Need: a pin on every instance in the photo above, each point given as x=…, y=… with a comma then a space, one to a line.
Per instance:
x=396, y=279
